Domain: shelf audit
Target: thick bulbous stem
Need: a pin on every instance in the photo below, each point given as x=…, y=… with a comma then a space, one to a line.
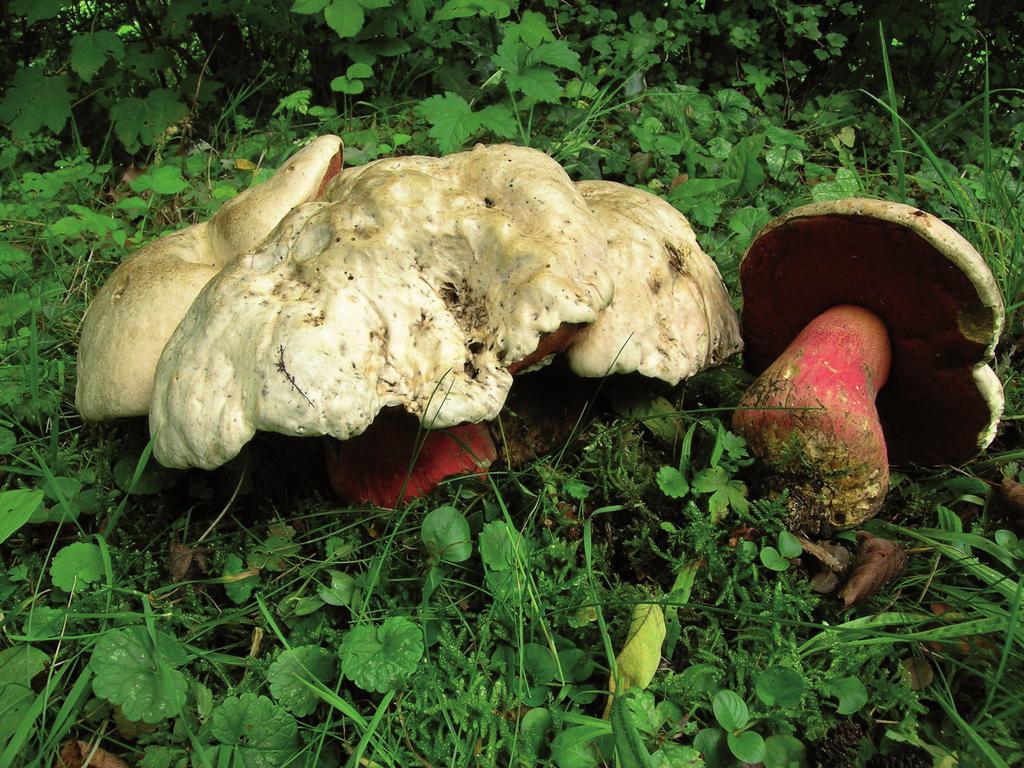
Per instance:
x=374, y=467
x=811, y=417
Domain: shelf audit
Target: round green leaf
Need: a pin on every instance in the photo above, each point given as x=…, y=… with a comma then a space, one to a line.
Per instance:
x=672, y=482
x=851, y=693
x=359, y=70
x=140, y=677
x=771, y=558
x=259, y=733
x=8, y=441
x=292, y=667
x=748, y=747
x=789, y=545
x=152, y=480
x=780, y=686
x=781, y=751
x=76, y=566
x=445, y=533
x=380, y=657
x=730, y=710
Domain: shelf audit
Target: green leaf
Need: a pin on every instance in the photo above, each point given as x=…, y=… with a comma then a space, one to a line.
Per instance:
x=748, y=747
x=381, y=657
x=152, y=480
x=260, y=733
x=712, y=745
x=789, y=545
x=747, y=222
x=742, y=167
x=638, y=660
x=345, y=17
x=502, y=547
x=90, y=51
x=239, y=590
x=76, y=566
x=358, y=70
x=724, y=490
x=16, y=507
x=342, y=84
x=340, y=591
x=34, y=100
x=555, y=54
x=307, y=7
x=8, y=442
x=771, y=558
x=445, y=533
x=164, y=180
x=574, y=747
x=537, y=83
x=850, y=691
x=782, y=751
x=780, y=686
x=846, y=184
x=18, y=665
x=295, y=665
x=140, y=677
x=672, y=482
x=499, y=120
x=451, y=119
x=730, y=710
x=37, y=10
x=140, y=122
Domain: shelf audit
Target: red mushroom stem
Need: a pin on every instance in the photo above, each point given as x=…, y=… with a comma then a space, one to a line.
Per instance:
x=374, y=467
x=811, y=416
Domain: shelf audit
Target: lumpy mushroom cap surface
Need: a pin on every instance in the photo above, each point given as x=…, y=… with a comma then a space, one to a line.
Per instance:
x=135, y=312
x=671, y=316
x=934, y=292
x=415, y=282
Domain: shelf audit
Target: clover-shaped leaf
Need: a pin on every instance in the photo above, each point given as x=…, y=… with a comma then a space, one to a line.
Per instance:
x=76, y=566
x=138, y=675
x=258, y=733
x=380, y=657
x=291, y=668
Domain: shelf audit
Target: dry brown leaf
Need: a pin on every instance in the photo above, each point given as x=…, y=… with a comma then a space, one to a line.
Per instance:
x=878, y=562
x=919, y=672
x=184, y=561
x=74, y=754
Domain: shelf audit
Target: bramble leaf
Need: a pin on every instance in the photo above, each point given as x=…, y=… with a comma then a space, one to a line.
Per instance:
x=34, y=100
x=76, y=566
x=142, y=121
x=380, y=657
x=291, y=667
x=37, y=10
x=140, y=677
x=259, y=733
x=90, y=51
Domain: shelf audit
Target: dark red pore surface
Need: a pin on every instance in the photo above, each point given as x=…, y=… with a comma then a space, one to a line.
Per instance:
x=931, y=410
x=374, y=467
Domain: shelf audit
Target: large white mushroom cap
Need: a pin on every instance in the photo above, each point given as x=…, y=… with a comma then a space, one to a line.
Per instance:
x=671, y=317
x=414, y=283
x=133, y=315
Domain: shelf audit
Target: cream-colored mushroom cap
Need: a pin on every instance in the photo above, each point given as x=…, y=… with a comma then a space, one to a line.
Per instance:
x=415, y=283
x=932, y=289
x=671, y=316
x=133, y=315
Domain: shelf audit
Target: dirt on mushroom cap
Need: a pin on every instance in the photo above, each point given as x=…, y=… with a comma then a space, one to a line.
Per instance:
x=415, y=283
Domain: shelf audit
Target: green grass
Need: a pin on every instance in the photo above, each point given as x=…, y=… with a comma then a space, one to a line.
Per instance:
x=521, y=635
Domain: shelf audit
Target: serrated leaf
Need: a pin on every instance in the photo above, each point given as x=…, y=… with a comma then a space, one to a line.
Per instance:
x=672, y=482
x=164, y=180
x=16, y=507
x=259, y=733
x=464, y=9
x=139, y=122
x=381, y=657
x=451, y=119
x=499, y=120
x=37, y=10
x=742, y=166
x=90, y=51
x=724, y=490
x=638, y=660
x=555, y=54
x=34, y=100
x=537, y=83
x=293, y=666
x=138, y=676
x=76, y=566
x=345, y=17
x=730, y=710
x=18, y=665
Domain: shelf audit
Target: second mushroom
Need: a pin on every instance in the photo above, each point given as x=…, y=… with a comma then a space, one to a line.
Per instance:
x=872, y=325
